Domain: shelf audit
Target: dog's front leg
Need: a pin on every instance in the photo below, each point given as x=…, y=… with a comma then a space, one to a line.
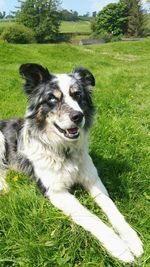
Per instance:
x=83, y=217
x=116, y=218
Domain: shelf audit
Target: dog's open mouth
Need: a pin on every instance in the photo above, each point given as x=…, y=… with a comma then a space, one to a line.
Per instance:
x=72, y=133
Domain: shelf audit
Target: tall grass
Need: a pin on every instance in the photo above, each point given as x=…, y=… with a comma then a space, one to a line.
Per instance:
x=32, y=232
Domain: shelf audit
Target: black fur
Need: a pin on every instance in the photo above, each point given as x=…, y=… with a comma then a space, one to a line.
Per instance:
x=33, y=74
x=85, y=76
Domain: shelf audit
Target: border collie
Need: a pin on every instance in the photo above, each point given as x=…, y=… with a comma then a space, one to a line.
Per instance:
x=50, y=145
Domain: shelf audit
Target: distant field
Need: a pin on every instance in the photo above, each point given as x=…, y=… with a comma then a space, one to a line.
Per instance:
x=79, y=26
x=32, y=232
x=66, y=26
x=5, y=23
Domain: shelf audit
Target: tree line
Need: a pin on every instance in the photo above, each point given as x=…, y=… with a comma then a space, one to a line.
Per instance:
x=44, y=18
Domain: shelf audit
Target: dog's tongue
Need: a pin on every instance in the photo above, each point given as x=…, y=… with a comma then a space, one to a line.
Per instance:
x=72, y=130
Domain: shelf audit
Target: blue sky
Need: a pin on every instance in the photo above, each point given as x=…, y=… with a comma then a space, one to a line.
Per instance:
x=82, y=6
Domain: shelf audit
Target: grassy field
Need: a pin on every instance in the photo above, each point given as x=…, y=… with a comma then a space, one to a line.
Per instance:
x=32, y=232
x=6, y=23
x=80, y=29
x=77, y=27
x=66, y=26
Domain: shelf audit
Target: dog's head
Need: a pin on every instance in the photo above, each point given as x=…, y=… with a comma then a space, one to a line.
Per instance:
x=59, y=102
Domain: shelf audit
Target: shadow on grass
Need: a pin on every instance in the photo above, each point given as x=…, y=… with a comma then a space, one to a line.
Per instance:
x=114, y=175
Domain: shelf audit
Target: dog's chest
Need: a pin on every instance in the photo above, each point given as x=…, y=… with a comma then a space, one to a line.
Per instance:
x=55, y=170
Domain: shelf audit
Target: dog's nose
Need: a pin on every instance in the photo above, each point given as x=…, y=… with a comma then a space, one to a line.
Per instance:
x=76, y=116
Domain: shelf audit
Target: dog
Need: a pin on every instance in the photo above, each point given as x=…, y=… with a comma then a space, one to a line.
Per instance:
x=51, y=146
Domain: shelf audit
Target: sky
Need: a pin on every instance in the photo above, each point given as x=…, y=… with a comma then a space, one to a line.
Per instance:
x=82, y=6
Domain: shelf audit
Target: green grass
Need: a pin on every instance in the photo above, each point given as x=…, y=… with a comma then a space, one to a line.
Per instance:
x=77, y=27
x=66, y=26
x=32, y=232
x=5, y=23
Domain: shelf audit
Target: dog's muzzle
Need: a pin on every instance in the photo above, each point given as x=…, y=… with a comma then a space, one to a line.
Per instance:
x=72, y=133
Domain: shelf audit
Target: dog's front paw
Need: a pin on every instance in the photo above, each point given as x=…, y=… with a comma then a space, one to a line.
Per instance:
x=122, y=252
x=133, y=241
x=125, y=256
x=118, y=248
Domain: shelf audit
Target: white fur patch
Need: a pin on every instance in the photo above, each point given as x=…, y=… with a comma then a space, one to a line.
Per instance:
x=65, y=82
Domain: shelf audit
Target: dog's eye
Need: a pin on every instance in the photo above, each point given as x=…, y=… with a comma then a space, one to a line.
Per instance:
x=77, y=95
x=52, y=99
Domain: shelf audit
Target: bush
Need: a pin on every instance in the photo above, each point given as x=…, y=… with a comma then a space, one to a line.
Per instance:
x=18, y=34
x=116, y=38
x=93, y=25
x=102, y=35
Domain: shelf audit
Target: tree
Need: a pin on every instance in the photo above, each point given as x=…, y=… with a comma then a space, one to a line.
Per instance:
x=42, y=16
x=69, y=15
x=2, y=15
x=112, y=19
x=135, y=26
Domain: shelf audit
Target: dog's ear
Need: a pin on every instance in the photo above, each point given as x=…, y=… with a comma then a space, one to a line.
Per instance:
x=85, y=76
x=33, y=74
x=87, y=80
